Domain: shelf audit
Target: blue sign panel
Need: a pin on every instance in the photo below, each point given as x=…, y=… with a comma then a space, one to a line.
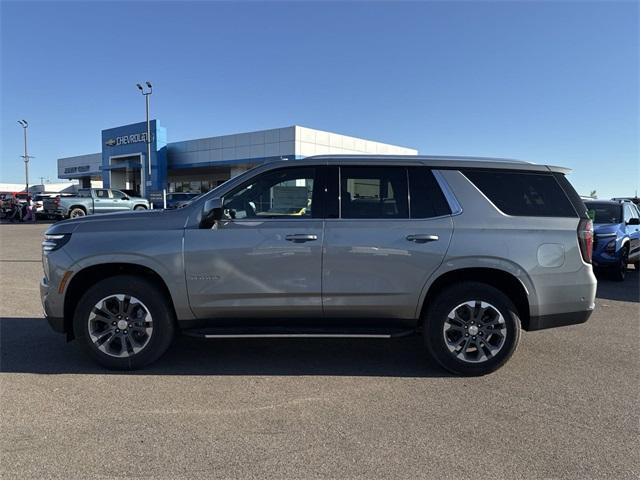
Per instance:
x=131, y=141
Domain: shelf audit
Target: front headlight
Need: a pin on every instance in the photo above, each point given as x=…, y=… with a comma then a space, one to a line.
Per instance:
x=54, y=242
x=610, y=248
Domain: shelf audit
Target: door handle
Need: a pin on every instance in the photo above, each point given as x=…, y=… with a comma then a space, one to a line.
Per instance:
x=420, y=238
x=301, y=237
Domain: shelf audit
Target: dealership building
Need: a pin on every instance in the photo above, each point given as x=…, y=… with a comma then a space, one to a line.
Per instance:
x=201, y=164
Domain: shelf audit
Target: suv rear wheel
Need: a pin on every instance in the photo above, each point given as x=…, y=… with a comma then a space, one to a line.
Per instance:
x=471, y=329
x=77, y=212
x=124, y=322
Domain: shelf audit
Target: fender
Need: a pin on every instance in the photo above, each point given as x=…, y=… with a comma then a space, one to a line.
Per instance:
x=495, y=263
x=175, y=282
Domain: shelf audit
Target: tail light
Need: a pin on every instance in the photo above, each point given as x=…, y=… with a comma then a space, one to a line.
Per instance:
x=585, y=239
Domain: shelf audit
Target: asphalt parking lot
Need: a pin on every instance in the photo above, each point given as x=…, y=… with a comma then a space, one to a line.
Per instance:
x=565, y=406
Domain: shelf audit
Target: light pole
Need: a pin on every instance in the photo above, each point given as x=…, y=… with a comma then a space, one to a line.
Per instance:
x=25, y=157
x=146, y=94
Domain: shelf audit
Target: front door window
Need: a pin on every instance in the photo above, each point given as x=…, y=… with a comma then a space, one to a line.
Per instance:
x=284, y=193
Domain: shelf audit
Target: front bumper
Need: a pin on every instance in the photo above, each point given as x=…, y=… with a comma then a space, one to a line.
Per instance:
x=49, y=301
x=57, y=324
x=558, y=320
x=602, y=260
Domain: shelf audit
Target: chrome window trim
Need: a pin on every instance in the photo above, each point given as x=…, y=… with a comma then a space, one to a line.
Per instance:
x=454, y=205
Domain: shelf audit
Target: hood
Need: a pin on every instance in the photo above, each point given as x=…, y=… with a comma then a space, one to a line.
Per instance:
x=604, y=228
x=123, y=221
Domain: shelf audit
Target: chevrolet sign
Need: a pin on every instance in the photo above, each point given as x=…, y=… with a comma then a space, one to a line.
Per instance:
x=126, y=139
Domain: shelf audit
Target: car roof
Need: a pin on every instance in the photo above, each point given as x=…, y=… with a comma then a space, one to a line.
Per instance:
x=438, y=161
x=606, y=202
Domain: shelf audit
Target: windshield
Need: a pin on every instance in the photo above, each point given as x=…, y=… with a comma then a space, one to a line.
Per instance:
x=604, y=212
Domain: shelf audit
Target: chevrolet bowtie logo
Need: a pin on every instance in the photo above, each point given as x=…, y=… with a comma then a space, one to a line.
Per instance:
x=111, y=142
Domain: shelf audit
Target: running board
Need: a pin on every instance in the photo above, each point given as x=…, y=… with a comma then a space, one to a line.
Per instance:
x=283, y=332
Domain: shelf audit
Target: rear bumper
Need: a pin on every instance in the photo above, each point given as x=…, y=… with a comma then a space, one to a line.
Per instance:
x=55, y=212
x=558, y=320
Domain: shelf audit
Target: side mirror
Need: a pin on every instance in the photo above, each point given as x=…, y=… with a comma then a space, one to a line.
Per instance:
x=634, y=221
x=126, y=198
x=211, y=213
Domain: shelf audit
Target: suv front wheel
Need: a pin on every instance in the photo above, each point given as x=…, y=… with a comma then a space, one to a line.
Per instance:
x=124, y=322
x=471, y=329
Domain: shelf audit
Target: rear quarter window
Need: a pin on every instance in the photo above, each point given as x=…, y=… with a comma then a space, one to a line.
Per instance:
x=528, y=194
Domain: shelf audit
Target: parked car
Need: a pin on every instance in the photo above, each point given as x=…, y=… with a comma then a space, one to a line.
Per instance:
x=634, y=200
x=179, y=199
x=464, y=252
x=89, y=201
x=39, y=198
x=617, y=236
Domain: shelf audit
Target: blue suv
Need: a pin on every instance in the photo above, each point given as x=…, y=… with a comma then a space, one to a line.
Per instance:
x=617, y=236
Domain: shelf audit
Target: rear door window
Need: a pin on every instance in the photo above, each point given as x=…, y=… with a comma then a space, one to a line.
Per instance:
x=374, y=192
x=527, y=194
x=426, y=199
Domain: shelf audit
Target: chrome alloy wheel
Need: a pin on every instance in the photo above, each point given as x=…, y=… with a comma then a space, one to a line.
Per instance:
x=474, y=331
x=120, y=325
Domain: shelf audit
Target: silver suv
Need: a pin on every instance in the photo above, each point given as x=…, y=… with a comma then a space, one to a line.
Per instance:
x=466, y=252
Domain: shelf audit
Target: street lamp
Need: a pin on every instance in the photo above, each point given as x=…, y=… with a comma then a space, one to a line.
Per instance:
x=146, y=94
x=26, y=156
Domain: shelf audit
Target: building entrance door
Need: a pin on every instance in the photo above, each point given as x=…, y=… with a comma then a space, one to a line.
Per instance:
x=125, y=173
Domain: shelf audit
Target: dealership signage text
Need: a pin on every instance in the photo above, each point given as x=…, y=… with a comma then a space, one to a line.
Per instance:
x=127, y=139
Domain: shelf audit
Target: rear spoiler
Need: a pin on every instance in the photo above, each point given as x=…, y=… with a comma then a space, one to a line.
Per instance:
x=556, y=169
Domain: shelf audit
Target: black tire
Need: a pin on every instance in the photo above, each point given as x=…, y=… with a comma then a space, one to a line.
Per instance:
x=455, y=296
x=139, y=207
x=77, y=212
x=163, y=322
x=619, y=272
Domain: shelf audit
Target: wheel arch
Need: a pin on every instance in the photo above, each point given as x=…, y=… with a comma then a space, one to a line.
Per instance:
x=626, y=241
x=90, y=275
x=504, y=281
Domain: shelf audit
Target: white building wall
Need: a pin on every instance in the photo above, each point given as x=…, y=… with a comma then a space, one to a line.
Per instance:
x=92, y=160
x=260, y=144
x=317, y=142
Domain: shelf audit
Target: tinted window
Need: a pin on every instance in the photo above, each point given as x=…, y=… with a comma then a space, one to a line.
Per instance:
x=374, y=192
x=84, y=193
x=282, y=193
x=102, y=193
x=575, y=199
x=523, y=193
x=118, y=195
x=604, y=212
x=426, y=197
x=628, y=213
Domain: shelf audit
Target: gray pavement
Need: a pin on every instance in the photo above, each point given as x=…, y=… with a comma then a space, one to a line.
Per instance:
x=565, y=406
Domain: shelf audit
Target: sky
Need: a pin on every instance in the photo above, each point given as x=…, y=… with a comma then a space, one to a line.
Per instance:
x=542, y=81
